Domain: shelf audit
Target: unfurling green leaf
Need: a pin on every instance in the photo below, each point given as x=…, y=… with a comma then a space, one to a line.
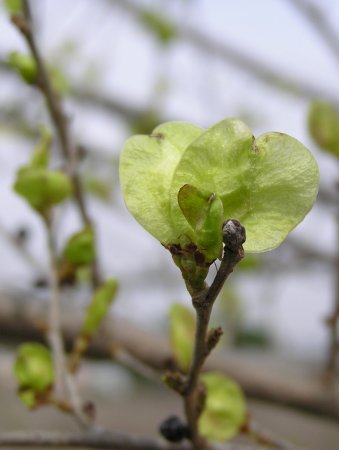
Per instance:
x=33, y=369
x=225, y=408
x=80, y=249
x=99, y=307
x=42, y=188
x=24, y=65
x=269, y=184
x=204, y=212
x=182, y=329
x=14, y=6
x=323, y=123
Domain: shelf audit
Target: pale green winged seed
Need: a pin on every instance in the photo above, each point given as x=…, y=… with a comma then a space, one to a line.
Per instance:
x=268, y=184
x=147, y=164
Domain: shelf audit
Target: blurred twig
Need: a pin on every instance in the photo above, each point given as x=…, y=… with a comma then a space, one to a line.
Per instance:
x=109, y=440
x=245, y=62
x=333, y=319
x=316, y=17
x=59, y=119
x=24, y=317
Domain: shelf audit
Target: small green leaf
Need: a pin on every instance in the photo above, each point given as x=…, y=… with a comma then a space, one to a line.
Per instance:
x=40, y=155
x=225, y=408
x=182, y=329
x=99, y=307
x=323, y=123
x=194, y=204
x=13, y=6
x=163, y=29
x=80, y=249
x=24, y=65
x=204, y=212
x=42, y=188
x=33, y=367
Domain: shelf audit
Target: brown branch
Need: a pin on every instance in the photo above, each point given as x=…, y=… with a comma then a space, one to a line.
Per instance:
x=106, y=440
x=24, y=318
x=333, y=320
x=59, y=119
x=242, y=61
x=54, y=332
x=321, y=25
x=103, y=439
x=203, y=301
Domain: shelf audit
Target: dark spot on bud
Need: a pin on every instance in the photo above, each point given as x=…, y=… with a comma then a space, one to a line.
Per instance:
x=40, y=283
x=233, y=234
x=174, y=430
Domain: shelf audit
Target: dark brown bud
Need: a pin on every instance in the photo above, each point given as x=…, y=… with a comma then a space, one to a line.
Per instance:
x=233, y=234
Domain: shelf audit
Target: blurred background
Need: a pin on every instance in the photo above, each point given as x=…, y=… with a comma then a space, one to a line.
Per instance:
x=125, y=66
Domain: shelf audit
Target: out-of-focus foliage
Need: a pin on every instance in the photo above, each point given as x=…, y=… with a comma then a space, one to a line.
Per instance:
x=42, y=188
x=33, y=369
x=26, y=67
x=323, y=122
x=182, y=329
x=163, y=29
x=99, y=306
x=13, y=6
x=80, y=249
x=225, y=408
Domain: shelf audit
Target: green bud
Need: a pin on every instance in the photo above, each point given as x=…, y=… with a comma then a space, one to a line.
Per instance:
x=33, y=367
x=323, y=122
x=42, y=188
x=80, y=249
x=24, y=65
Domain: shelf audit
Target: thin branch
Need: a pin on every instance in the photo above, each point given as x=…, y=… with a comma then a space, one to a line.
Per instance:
x=320, y=24
x=59, y=119
x=54, y=323
x=333, y=320
x=22, y=318
x=268, y=439
x=243, y=61
x=194, y=396
x=102, y=440
x=65, y=385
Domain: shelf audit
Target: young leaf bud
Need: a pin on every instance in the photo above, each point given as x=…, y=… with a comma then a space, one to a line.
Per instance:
x=233, y=234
